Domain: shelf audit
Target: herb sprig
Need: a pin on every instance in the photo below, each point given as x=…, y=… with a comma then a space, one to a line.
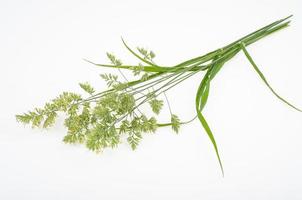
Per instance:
x=103, y=119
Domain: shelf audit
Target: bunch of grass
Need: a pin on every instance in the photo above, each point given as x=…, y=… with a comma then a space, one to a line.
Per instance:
x=101, y=119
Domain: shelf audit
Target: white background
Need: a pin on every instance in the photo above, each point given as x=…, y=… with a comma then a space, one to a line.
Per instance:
x=42, y=44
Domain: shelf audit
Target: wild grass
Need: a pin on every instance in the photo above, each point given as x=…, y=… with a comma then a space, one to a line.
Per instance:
x=102, y=119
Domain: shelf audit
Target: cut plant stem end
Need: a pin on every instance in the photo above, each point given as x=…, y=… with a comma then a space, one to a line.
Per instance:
x=102, y=118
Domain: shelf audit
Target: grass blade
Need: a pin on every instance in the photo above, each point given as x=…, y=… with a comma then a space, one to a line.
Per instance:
x=264, y=79
x=211, y=136
x=150, y=68
x=201, y=99
x=136, y=55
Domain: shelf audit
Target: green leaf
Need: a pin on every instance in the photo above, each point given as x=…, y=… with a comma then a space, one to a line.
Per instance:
x=136, y=55
x=216, y=68
x=201, y=98
x=148, y=68
x=211, y=136
x=203, y=91
x=264, y=79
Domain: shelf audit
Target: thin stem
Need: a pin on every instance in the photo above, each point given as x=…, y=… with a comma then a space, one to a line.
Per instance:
x=167, y=100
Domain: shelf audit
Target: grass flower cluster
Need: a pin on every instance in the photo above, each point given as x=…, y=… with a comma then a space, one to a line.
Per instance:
x=102, y=119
